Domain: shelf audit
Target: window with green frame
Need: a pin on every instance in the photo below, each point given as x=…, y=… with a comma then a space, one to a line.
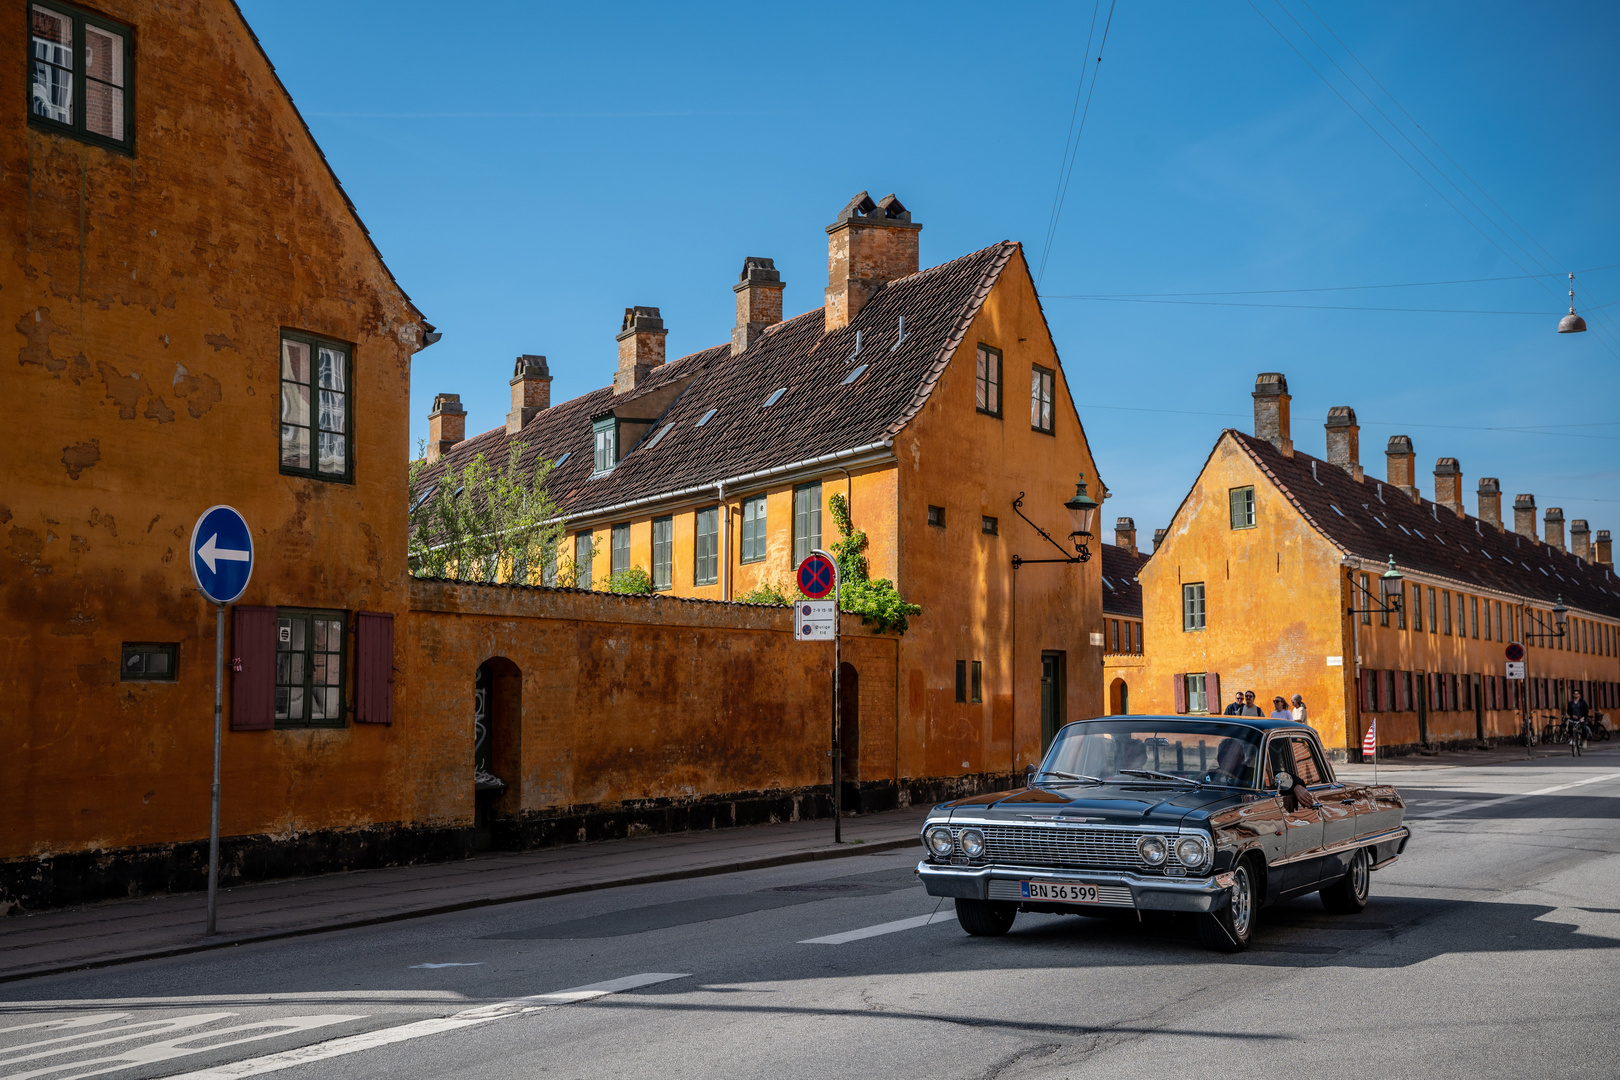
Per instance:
x=806, y=521
x=987, y=380
x=753, y=529
x=81, y=69
x=706, y=546
x=1242, y=500
x=620, y=549
x=316, y=406
x=663, y=552
x=605, y=435
x=1192, y=606
x=309, y=668
x=1040, y=399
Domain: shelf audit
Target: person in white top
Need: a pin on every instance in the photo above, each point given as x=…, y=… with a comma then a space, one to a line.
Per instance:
x=1298, y=711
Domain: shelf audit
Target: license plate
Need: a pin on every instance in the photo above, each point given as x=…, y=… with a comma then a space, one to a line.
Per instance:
x=1062, y=891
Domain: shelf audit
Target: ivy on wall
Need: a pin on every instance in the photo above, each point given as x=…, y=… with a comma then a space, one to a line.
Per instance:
x=878, y=603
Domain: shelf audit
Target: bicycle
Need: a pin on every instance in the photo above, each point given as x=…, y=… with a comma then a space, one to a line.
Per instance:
x=1575, y=734
x=1528, y=732
x=1552, y=730
x=1600, y=730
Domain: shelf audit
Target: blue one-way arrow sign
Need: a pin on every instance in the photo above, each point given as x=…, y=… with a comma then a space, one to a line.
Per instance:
x=221, y=554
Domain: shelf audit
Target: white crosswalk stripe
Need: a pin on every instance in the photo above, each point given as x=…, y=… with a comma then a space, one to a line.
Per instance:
x=1465, y=807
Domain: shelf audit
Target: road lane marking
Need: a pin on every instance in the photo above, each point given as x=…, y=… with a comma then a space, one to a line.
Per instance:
x=90, y=1020
x=476, y=963
x=880, y=929
x=1514, y=798
x=354, y=1044
x=169, y=1049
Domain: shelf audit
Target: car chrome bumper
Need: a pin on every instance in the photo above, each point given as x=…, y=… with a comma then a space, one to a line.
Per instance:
x=1121, y=889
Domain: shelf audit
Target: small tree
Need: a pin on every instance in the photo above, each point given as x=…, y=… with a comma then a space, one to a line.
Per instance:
x=878, y=603
x=482, y=522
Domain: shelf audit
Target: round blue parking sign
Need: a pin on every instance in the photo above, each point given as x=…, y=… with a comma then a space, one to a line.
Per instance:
x=221, y=554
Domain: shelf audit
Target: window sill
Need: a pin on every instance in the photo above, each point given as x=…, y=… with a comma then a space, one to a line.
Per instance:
x=1043, y=431
x=48, y=127
x=987, y=412
x=329, y=478
x=1243, y=528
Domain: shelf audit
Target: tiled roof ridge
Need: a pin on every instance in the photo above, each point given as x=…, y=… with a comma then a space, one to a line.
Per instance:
x=1588, y=586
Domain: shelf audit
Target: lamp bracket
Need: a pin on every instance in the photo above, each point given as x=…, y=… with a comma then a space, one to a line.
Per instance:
x=1081, y=553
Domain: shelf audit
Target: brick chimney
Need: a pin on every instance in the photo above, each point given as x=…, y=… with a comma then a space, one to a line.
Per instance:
x=1604, y=555
x=531, y=392
x=1580, y=539
x=1158, y=538
x=1524, y=516
x=1125, y=534
x=1401, y=465
x=1448, y=485
x=869, y=243
x=641, y=347
x=759, y=301
x=1271, y=400
x=1490, y=501
x=1554, y=518
x=1344, y=440
x=447, y=425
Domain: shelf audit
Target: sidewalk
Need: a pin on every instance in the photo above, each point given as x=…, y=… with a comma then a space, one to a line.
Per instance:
x=120, y=931
x=1454, y=759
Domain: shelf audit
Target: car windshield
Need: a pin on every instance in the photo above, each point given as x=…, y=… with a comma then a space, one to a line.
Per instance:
x=1112, y=750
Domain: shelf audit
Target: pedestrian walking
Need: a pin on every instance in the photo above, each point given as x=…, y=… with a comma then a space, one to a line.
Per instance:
x=1280, y=709
x=1299, y=709
x=1236, y=708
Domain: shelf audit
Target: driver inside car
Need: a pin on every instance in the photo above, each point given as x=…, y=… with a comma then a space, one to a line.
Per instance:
x=1230, y=760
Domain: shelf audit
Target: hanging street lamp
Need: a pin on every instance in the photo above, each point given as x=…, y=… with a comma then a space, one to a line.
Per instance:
x=1572, y=323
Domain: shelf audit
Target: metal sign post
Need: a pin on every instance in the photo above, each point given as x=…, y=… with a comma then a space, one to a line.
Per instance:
x=817, y=576
x=1514, y=672
x=222, y=565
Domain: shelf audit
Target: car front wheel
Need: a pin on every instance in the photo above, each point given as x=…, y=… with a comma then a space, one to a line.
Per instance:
x=985, y=918
x=1348, y=895
x=1228, y=929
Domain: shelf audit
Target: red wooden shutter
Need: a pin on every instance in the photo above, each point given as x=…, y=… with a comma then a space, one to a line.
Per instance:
x=1212, y=693
x=253, y=668
x=1180, y=682
x=374, y=668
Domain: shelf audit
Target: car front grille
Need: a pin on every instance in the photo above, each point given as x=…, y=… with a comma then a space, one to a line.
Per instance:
x=1068, y=847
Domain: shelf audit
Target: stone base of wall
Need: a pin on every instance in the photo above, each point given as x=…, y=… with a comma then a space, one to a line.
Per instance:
x=29, y=885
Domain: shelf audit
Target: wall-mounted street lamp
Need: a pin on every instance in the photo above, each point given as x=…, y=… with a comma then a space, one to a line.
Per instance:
x=1082, y=509
x=1560, y=622
x=1391, y=589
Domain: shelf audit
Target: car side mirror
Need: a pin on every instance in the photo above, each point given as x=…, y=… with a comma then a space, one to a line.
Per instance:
x=1029, y=775
x=1285, y=783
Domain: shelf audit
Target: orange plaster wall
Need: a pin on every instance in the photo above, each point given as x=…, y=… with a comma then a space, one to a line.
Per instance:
x=140, y=302
x=1274, y=610
x=974, y=465
x=628, y=698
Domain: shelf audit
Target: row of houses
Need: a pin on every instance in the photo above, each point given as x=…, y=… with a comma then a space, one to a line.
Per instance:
x=1269, y=577
x=200, y=317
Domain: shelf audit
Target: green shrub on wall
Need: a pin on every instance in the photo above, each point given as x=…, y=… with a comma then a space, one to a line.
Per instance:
x=878, y=603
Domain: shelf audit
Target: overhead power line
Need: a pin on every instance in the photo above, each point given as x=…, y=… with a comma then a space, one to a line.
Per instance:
x=1299, y=307
x=1071, y=144
x=1353, y=288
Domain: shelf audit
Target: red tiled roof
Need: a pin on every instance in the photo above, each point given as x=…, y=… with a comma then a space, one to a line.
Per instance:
x=1122, y=593
x=1371, y=520
x=817, y=415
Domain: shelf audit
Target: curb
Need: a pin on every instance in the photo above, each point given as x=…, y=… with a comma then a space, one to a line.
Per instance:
x=712, y=870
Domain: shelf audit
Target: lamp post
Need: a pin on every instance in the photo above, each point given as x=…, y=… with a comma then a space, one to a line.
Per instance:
x=1560, y=615
x=1082, y=509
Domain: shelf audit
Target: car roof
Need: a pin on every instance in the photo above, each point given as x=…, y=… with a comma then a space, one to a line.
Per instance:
x=1259, y=723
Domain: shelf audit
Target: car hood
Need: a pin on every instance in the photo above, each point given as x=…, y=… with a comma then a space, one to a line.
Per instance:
x=1107, y=804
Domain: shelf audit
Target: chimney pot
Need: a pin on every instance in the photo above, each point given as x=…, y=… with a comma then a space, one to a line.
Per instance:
x=1580, y=539
x=759, y=301
x=447, y=425
x=641, y=347
x=1344, y=440
x=1490, y=501
x=1125, y=534
x=1158, y=538
x=1401, y=465
x=868, y=245
x=531, y=392
x=1448, y=484
x=1271, y=401
x=1604, y=553
x=1524, y=516
x=1554, y=519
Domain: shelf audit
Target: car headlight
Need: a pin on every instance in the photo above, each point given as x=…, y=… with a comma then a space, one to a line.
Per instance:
x=972, y=841
x=1153, y=850
x=939, y=841
x=1192, y=851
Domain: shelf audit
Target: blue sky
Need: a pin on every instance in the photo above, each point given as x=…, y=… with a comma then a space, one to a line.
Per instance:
x=533, y=169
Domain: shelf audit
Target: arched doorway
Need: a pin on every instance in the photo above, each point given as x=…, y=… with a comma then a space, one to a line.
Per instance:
x=497, y=750
x=849, y=733
x=1119, y=698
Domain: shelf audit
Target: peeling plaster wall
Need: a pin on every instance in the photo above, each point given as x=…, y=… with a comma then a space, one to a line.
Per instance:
x=141, y=299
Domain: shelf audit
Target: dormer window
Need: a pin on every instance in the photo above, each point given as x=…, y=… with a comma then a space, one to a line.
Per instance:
x=606, y=433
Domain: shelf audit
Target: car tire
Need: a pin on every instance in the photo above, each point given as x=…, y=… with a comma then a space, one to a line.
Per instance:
x=1348, y=895
x=1229, y=929
x=985, y=918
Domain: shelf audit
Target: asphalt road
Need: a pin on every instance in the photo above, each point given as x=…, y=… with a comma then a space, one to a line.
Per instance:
x=1488, y=950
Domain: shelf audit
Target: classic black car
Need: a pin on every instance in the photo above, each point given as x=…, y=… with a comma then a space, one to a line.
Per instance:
x=1216, y=817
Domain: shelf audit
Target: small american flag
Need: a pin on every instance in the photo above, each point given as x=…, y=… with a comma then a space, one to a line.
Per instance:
x=1369, y=745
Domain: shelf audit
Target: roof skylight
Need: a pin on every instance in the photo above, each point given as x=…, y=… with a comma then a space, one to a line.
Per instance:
x=424, y=497
x=776, y=395
x=559, y=462
x=706, y=417
x=852, y=376
x=658, y=437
